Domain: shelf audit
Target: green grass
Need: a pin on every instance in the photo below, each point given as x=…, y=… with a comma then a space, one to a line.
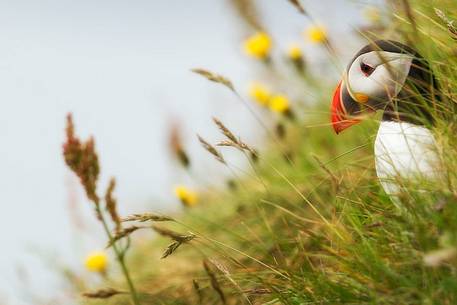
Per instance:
x=308, y=233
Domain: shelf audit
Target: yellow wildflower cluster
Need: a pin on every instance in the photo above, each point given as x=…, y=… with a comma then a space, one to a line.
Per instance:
x=279, y=103
x=186, y=196
x=258, y=45
x=316, y=34
x=294, y=52
x=276, y=102
x=96, y=262
x=259, y=93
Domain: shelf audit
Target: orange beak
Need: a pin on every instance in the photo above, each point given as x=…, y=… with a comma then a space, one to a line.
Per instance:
x=340, y=120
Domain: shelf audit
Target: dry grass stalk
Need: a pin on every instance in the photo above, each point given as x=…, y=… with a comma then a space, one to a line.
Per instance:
x=211, y=149
x=178, y=238
x=225, y=131
x=217, y=78
x=198, y=291
x=410, y=15
x=234, y=141
x=244, y=146
x=254, y=155
x=280, y=130
x=147, y=217
x=111, y=204
x=325, y=168
x=298, y=6
x=449, y=23
x=82, y=159
x=121, y=234
x=214, y=281
x=257, y=291
x=226, y=143
x=171, y=249
x=102, y=293
x=240, y=145
x=177, y=148
x=173, y=235
x=232, y=184
x=248, y=12
x=222, y=268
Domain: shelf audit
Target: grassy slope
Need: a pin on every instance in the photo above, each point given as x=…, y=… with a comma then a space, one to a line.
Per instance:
x=301, y=235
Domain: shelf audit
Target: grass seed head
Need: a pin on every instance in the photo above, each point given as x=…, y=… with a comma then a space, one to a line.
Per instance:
x=198, y=291
x=177, y=148
x=171, y=249
x=257, y=291
x=214, y=281
x=217, y=78
x=82, y=159
x=173, y=235
x=102, y=293
x=248, y=11
x=254, y=155
x=298, y=6
x=211, y=149
x=121, y=234
x=449, y=23
x=111, y=204
x=147, y=217
x=232, y=140
x=280, y=130
x=226, y=143
x=225, y=131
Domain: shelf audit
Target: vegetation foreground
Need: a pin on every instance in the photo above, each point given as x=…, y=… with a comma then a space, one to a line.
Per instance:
x=308, y=223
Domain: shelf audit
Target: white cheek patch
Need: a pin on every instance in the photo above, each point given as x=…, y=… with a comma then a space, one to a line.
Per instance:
x=386, y=81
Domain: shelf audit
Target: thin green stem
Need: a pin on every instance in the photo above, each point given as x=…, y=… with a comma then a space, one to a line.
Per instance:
x=120, y=258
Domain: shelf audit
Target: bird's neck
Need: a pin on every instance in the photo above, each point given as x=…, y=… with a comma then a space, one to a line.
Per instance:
x=409, y=111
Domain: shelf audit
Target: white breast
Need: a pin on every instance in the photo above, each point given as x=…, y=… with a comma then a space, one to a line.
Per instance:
x=405, y=151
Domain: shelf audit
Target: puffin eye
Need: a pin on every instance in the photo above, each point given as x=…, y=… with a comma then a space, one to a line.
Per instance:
x=366, y=69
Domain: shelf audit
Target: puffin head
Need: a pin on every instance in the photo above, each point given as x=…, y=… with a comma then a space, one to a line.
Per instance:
x=374, y=78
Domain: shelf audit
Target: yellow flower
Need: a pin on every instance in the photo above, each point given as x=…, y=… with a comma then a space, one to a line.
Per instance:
x=259, y=93
x=372, y=14
x=294, y=52
x=279, y=103
x=258, y=45
x=96, y=261
x=186, y=196
x=316, y=34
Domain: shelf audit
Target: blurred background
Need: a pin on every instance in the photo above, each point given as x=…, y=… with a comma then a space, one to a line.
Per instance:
x=123, y=70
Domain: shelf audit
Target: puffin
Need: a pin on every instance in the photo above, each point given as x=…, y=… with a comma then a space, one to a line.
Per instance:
x=391, y=77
